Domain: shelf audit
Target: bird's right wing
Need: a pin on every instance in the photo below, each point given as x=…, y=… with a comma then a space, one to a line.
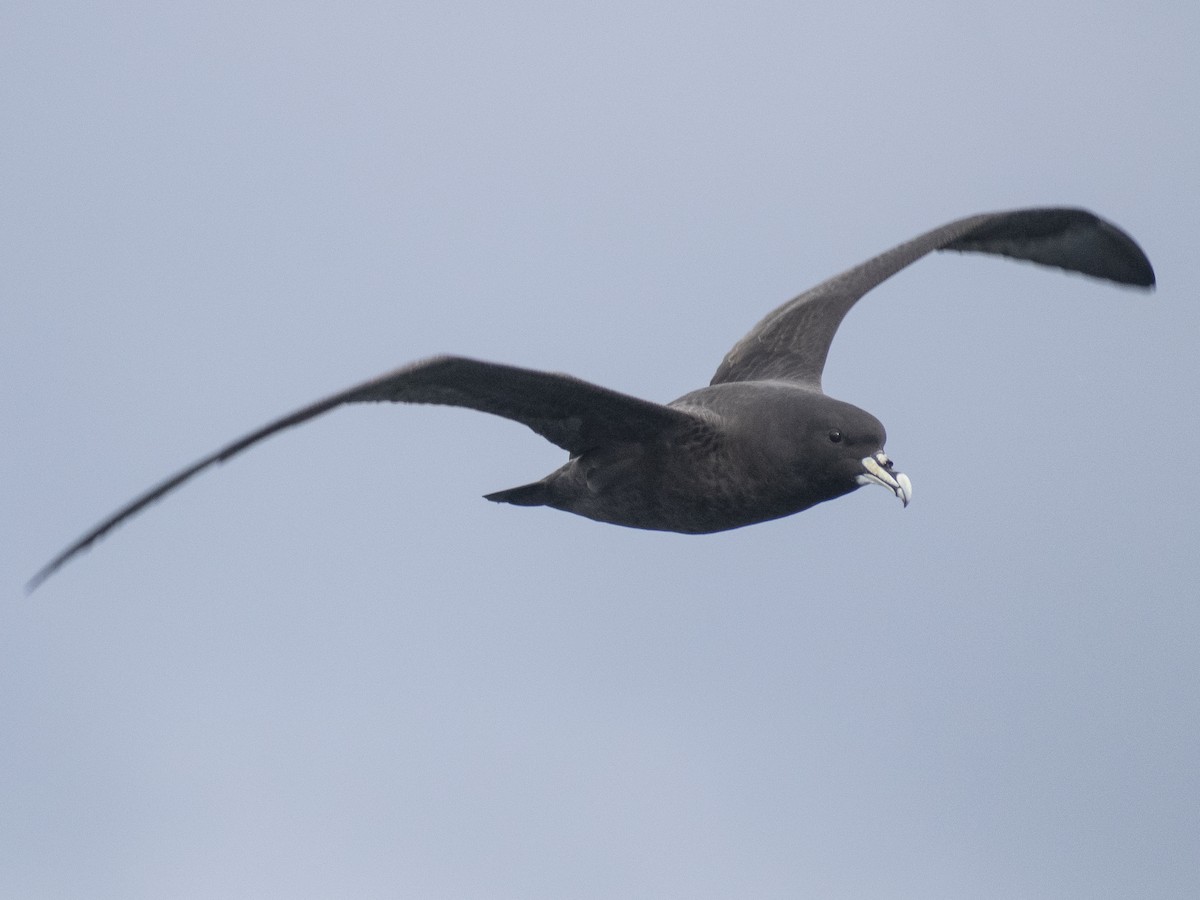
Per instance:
x=792, y=342
x=571, y=413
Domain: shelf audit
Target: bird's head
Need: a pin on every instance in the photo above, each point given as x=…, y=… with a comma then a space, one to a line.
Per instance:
x=845, y=445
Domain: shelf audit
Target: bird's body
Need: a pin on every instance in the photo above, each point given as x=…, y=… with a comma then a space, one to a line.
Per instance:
x=738, y=458
x=762, y=441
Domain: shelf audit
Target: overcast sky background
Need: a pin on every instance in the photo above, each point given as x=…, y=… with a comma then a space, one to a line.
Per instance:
x=330, y=669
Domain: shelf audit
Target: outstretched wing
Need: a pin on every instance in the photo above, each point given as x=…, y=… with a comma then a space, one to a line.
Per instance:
x=569, y=412
x=793, y=341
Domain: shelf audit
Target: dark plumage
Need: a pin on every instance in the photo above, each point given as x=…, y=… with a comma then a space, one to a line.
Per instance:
x=760, y=442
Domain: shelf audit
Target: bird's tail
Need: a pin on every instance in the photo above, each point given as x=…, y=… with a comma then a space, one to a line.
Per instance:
x=536, y=493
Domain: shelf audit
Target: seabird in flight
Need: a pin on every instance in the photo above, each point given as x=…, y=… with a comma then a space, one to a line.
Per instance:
x=761, y=441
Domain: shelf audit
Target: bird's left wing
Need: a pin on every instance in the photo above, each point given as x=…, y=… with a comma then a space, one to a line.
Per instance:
x=567, y=411
x=792, y=342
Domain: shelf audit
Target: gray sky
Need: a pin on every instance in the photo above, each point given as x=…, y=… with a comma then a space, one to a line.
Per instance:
x=329, y=669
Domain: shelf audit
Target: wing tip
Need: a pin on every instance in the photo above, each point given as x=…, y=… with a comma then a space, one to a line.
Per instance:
x=1069, y=238
x=40, y=576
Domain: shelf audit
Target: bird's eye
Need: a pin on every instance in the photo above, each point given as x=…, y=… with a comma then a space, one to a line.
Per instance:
x=835, y=436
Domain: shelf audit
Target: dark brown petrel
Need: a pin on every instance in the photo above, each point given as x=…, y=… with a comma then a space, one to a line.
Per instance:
x=761, y=441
